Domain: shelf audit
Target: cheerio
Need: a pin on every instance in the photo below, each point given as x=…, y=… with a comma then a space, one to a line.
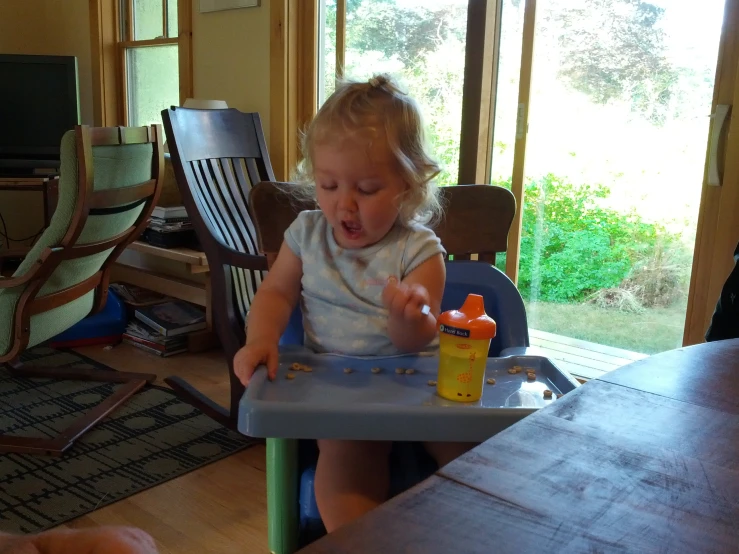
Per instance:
x=464, y=341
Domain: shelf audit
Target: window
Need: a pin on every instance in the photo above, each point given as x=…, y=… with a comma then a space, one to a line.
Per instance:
x=418, y=42
x=149, y=54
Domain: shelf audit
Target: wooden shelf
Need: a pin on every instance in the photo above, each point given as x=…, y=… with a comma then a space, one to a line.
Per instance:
x=195, y=260
x=161, y=283
x=197, y=293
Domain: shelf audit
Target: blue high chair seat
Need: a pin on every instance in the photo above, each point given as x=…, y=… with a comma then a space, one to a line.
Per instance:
x=502, y=302
x=409, y=463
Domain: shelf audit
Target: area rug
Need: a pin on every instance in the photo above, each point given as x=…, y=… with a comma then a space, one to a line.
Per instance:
x=152, y=438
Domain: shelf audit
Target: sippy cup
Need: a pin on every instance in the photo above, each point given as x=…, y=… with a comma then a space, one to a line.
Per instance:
x=464, y=341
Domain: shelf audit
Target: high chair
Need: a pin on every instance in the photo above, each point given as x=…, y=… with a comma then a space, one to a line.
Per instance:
x=477, y=219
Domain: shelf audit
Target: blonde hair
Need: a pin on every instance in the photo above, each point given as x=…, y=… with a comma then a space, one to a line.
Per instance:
x=380, y=108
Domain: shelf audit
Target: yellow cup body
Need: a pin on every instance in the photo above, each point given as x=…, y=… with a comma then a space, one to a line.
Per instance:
x=461, y=367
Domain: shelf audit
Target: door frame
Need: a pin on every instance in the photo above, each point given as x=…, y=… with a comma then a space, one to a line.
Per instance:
x=717, y=233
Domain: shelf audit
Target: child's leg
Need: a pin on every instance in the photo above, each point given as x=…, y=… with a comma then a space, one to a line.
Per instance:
x=445, y=452
x=352, y=477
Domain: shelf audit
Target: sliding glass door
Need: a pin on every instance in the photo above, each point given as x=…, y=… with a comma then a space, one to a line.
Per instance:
x=605, y=144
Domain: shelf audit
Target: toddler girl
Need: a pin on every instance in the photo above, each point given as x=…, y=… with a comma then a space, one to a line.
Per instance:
x=363, y=266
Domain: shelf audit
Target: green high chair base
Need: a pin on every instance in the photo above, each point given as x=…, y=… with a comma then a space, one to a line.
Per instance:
x=282, y=495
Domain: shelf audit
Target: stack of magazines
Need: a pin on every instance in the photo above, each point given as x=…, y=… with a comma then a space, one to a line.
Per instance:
x=169, y=227
x=162, y=329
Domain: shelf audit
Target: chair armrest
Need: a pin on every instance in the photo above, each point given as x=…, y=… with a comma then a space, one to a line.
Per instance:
x=244, y=261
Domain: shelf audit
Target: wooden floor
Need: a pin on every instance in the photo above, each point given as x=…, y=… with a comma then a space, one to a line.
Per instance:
x=584, y=360
x=221, y=508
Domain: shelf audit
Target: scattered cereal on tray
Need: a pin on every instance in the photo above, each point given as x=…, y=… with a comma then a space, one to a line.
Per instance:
x=531, y=376
x=410, y=371
x=307, y=368
x=431, y=383
x=490, y=381
x=295, y=366
x=513, y=371
x=290, y=376
x=399, y=370
x=348, y=370
x=547, y=393
x=376, y=369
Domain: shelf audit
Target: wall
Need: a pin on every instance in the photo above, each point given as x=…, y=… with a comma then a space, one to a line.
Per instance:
x=231, y=58
x=51, y=27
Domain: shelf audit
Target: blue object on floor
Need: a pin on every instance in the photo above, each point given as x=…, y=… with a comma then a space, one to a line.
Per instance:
x=110, y=321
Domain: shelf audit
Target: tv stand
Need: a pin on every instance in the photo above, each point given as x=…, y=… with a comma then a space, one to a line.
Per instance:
x=17, y=168
x=48, y=186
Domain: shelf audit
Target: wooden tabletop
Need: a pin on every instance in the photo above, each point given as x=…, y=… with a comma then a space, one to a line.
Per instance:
x=643, y=459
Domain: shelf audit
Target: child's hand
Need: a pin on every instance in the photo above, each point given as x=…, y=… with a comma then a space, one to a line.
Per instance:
x=406, y=302
x=250, y=356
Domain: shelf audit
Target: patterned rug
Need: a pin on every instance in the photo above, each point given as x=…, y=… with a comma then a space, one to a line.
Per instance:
x=152, y=438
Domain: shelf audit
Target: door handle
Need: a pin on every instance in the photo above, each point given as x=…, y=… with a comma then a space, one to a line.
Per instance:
x=720, y=117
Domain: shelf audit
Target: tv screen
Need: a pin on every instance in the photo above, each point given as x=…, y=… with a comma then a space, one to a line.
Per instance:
x=39, y=102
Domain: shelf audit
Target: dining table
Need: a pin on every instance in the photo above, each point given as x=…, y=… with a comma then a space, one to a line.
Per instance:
x=642, y=459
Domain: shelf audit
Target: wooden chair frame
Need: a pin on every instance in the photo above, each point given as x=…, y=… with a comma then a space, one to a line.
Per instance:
x=88, y=201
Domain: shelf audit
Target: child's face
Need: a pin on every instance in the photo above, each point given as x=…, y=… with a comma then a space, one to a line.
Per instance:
x=358, y=189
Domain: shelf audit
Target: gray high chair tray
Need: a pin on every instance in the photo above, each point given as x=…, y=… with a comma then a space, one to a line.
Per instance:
x=329, y=403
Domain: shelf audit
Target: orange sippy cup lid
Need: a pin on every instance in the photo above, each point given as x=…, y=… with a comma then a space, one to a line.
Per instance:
x=469, y=321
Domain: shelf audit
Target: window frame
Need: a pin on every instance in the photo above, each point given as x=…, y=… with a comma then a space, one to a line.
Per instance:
x=294, y=49
x=111, y=30
x=293, y=79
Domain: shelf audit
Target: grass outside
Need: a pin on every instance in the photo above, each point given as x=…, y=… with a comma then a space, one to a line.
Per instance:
x=652, y=331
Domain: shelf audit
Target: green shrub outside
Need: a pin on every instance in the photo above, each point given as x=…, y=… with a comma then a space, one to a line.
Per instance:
x=574, y=247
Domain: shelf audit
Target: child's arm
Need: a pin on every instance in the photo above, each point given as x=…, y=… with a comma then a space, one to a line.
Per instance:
x=411, y=330
x=270, y=311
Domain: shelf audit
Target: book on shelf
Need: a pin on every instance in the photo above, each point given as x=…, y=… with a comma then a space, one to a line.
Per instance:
x=169, y=220
x=167, y=227
x=138, y=341
x=173, y=318
x=152, y=349
x=169, y=212
x=145, y=338
x=148, y=335
x=184, y=238
x=137, y=296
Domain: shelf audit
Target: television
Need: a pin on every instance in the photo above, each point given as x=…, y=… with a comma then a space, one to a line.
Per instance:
x=39, y=102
